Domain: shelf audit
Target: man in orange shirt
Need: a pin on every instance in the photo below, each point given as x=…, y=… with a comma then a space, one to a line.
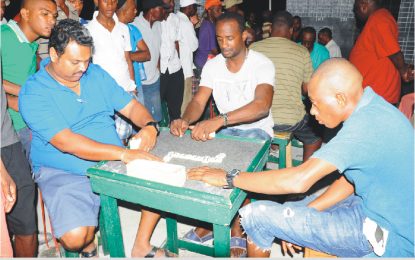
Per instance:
x=377, y=54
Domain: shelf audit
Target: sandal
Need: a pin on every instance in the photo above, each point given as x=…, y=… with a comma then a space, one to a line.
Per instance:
x=93, y=253
x=239, y=243
x=193, y=237
x=153, y=252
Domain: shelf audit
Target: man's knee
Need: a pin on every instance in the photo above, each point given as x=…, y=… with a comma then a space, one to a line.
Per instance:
x=76, y=239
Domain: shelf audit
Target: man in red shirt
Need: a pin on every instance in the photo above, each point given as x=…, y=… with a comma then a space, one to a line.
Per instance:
x=377, y=54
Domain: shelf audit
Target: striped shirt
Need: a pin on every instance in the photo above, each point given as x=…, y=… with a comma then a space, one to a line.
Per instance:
x=293, y=67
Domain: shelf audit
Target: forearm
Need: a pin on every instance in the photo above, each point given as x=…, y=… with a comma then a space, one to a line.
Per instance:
x=338, y=191
x=137, y=113
x=11, y=88
x=193, y=111
x=249, y=113
x=85, y=148
x=130, y=65
x=13, y=102
x=399, y=62
x=140, y=56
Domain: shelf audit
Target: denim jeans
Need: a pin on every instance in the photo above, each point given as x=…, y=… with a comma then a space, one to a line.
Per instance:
x=255, y=133
x=152, y=99
x=337, y=230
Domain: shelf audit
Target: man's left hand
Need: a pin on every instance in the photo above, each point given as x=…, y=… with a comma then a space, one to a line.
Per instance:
x=148, y=136
x=212, y=176
x=202, y=130
x=408, y=74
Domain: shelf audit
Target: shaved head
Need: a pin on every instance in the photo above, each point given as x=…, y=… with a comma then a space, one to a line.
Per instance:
x=334, y=90
x=28, y=4
x=37, y=18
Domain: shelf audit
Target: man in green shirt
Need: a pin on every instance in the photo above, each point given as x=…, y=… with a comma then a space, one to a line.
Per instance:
x=19, y=55
x=293, y=71
x=19, y=62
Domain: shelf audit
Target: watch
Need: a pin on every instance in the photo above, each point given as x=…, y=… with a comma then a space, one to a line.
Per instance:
x=230, y=175
x=155, y=125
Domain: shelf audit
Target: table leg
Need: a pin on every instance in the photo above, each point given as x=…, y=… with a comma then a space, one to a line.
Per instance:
x=222, y=240
x=111, y=227
x=172, y=239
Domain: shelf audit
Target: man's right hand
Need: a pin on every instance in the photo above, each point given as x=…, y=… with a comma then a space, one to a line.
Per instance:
x=8, y=187
x=178, y=127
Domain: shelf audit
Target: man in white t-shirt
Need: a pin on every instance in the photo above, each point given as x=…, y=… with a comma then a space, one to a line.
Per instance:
x=325, y=37
x=112, y=52
x=242, y=83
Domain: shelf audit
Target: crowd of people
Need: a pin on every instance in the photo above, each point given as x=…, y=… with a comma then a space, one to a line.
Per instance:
x=75, y=92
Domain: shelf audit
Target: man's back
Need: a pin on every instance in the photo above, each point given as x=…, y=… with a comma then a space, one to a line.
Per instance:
x=374, y=150
x=293, y=67
x=377, y=41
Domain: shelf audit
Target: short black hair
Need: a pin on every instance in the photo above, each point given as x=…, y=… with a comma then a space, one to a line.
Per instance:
x=282, y=18
x=297, y=17
x=69, y=30
x=326, y=31
x=229, y=16
x=309, y=29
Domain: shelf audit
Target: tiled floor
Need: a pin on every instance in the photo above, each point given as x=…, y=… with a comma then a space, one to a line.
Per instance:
x=130, y=215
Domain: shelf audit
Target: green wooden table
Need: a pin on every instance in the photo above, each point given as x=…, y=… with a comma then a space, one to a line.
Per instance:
x=199, y=205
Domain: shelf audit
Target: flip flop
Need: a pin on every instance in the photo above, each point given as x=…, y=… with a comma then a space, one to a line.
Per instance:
x=239, y=243
x=193, y=237
x=91, y=254
x=153, y=252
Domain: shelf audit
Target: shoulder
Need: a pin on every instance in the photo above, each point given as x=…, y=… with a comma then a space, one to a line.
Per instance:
x=7, y=33
x=214, y=63
x=259, y=58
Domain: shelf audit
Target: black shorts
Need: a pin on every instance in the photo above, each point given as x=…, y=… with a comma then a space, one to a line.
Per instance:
x=307, y=130
x=22, y=218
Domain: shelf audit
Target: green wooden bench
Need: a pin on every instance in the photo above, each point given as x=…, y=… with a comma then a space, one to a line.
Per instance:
x=190, y=203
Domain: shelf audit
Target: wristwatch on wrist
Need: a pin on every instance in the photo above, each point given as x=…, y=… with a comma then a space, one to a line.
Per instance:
x=155, y=125
x=225, y=119
x=230, y=175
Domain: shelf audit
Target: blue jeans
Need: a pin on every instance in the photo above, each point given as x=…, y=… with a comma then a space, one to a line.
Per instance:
x=337, y=230
x=255, y=133
x=152, y=99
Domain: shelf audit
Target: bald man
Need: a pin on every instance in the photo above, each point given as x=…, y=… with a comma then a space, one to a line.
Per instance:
x=18, y=63
x=370, y=209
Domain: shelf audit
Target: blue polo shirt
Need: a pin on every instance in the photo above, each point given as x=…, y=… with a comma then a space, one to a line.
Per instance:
x=319, y=55
x=374, y=150
x=49, y=107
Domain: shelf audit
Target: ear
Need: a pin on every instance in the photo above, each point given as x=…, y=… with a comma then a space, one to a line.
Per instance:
x=53, y=54
x=341, y=99
x=24, y=13
x=244, y=35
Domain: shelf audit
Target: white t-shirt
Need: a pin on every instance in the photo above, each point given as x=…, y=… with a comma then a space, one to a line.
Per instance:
x=334, y=49
x=152, y=37
x=188, y=43
x=110, y=48
x=169, y=58
x=235, y=90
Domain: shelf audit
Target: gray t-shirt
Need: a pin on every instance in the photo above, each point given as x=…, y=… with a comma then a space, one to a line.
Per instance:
x=8, y=135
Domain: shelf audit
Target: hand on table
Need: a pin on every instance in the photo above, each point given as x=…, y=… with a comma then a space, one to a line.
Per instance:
x=148, y=137
x=212, y=176
x=202, y=131
x=132, y=154
x=178, y=127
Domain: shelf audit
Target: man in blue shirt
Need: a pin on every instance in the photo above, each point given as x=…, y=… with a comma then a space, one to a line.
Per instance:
x=318, y=52
x=69, y=104
x=370, y=209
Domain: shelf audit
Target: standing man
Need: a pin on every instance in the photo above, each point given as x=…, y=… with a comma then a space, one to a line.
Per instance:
x=293, y=73
x=148, y=22
x=367, y=212
x=171, y=79
x=325, y=38
x=297, y=26
x=69, y=104
x=242, y=84
x=188, y=44
x=377, y=54
x=18, y=63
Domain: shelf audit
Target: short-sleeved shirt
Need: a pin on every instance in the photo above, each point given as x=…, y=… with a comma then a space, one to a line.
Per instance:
x=370, y=54
x=319, y=55
x=18, y=60
x=169, y=57
x=110, y=48
x=207, y=42
x=374, y=150
x=49, y=107
x=293, y=68
x=152, y=37
x=235, y=90
x=334, y=49
x=135, y=37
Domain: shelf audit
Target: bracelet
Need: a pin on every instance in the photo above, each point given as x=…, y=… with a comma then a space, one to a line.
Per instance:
x=123, y=154
x=225, y=119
